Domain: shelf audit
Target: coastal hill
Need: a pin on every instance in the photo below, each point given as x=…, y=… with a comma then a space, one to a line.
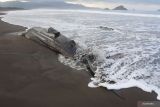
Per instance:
x=121, y=7
x=10, y=8
x=41, y=4
x=106, y=9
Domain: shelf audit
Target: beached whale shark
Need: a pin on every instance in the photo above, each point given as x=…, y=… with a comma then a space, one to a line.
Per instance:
x=52, y=39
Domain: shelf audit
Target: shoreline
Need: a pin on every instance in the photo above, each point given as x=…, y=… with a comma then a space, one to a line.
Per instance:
x=7, y=27
x=32, y=76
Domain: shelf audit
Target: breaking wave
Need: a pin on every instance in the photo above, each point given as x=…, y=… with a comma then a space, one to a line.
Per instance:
x=127, y=45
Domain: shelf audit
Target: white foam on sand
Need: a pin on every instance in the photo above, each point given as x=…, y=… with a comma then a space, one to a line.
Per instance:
x=129, y=55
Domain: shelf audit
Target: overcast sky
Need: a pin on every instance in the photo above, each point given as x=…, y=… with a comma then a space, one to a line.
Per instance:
x=131, y=4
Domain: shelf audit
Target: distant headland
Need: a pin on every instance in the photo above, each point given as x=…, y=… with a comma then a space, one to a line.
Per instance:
x=121, y=7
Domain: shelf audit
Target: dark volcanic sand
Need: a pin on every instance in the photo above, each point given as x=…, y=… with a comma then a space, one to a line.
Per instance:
x=31, y=76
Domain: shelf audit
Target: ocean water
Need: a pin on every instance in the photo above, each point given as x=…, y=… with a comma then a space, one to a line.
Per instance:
x=129, y=54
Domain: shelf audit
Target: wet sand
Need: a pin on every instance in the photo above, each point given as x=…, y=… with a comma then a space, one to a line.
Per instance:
x=32, y=76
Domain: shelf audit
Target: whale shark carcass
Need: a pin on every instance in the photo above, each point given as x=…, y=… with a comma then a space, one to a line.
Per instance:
x=52, y=39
